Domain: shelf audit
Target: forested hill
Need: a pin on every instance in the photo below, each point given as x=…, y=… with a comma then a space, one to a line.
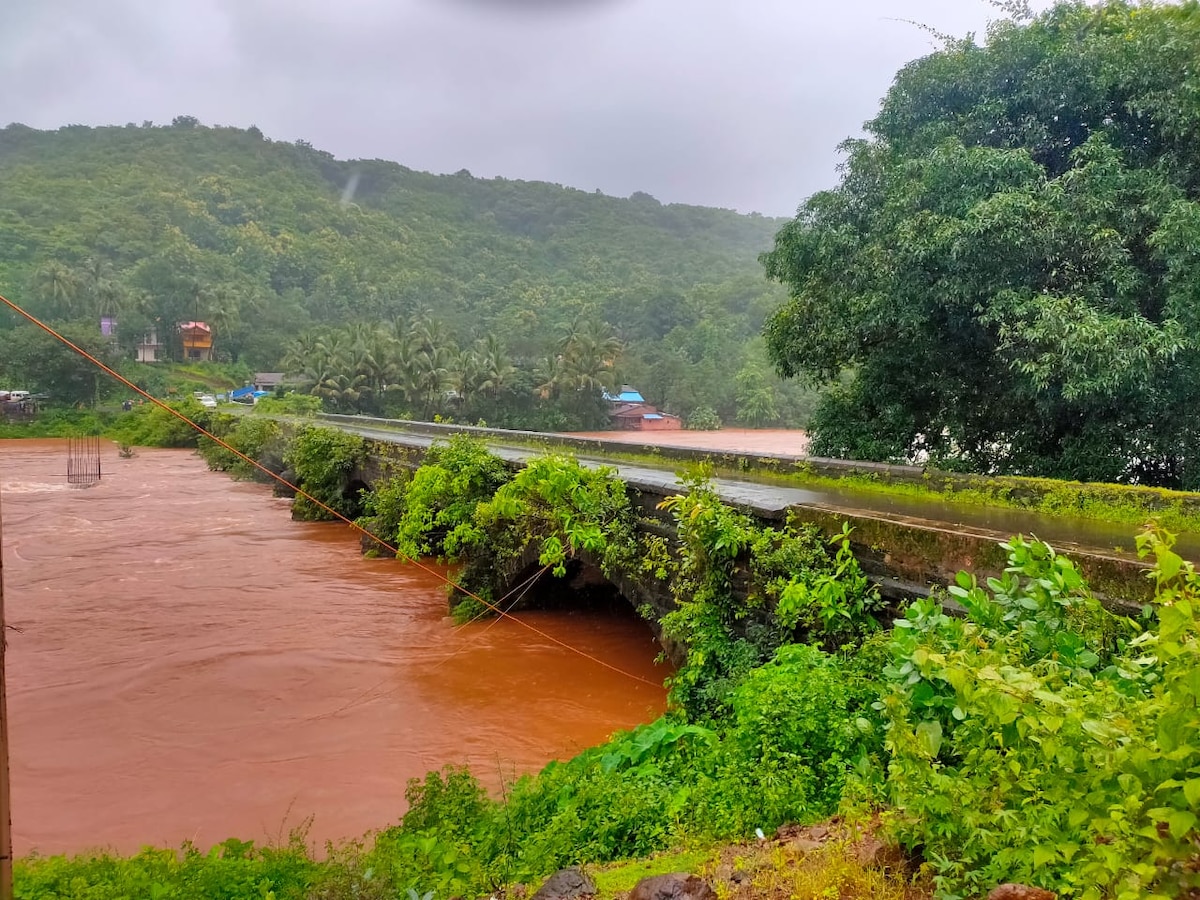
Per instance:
x=260, y=237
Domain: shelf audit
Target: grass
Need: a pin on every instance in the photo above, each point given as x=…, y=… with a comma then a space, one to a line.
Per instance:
x=619, y=878
x=818, y=862
x=831, y=871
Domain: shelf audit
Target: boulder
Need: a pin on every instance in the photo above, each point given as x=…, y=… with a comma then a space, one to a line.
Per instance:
x=566, y=884
x=872, y=853
x=677, y=886
x=1020, y=892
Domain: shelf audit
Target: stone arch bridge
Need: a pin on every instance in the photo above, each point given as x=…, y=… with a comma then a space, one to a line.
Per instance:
x=906, y=544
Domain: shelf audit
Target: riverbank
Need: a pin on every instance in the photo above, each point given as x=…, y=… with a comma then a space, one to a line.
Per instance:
x=816, y=862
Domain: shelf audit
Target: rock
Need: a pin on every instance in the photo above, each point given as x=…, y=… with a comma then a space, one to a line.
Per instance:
x=805, y=844
x=804, y=838
x=818, y=833
x=872, y=853
x=566, y=884
x=677, y=886
x=1020, y=892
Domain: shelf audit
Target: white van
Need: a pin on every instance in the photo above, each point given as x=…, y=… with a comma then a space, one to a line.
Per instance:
x=17, y=396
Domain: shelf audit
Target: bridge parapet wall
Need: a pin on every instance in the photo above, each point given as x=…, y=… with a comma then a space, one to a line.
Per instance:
x=905, y=556
x=1021, y=491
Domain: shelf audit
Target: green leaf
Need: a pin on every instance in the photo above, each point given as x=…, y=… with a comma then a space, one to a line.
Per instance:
x=929, y=734
x=1191, y=792
x=1043, y=856
x=1180, y=822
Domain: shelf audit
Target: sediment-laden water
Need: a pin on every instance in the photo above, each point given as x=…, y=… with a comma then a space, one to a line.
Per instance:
x=192, y=664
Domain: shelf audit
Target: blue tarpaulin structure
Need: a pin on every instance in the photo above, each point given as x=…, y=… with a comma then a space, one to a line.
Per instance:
x=249, y=392
x=627, y=395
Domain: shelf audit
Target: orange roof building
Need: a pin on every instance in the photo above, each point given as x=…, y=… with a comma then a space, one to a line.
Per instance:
x=197, y=341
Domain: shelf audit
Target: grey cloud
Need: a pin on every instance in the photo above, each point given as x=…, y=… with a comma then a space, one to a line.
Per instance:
x=737, y=103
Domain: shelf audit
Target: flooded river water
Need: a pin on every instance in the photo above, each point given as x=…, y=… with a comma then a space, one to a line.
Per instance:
x=787, y=441
x=192, y=664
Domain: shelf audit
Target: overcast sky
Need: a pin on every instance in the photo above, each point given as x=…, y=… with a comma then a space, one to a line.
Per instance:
x=735, y=103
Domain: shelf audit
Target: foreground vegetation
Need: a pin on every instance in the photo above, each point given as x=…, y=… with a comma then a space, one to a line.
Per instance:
x=1038, y=738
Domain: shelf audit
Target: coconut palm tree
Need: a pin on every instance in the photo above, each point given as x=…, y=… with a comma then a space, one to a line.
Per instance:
x=302, y=351
x=342, y=389
x=590, y=357
x=431, y=377
x=496, y=368
x=59, y=288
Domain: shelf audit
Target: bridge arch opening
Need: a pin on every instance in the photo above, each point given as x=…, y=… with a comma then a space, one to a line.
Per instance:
x=585, y=589
x=353, y=493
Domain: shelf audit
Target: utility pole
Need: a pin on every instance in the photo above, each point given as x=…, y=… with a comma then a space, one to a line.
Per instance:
x=6, y=859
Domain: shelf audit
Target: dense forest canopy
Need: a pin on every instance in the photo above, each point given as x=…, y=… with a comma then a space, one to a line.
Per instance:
x=288, y=252
x=1008, y=276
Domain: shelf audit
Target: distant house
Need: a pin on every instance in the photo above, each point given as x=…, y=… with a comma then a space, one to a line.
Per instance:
x=268, y=381
x=629, y=411
x=108, y=326
x=149, y=347
x=197, y=340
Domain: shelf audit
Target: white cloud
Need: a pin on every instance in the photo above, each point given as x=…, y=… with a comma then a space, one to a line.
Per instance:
x=702, y=101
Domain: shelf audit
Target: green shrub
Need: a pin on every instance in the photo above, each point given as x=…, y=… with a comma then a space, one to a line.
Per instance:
x=322, y=461
x=703, y=418
x=441, y=498
x=562, y=508
x=150, y=425
x=794, y=591
x=58, y=422
x=799, y=710
x=233, y=870
x=289, y=404
x=384, y=505
x=1043, y=740
x=260, y=439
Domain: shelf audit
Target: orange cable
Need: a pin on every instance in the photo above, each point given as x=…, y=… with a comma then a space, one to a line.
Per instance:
x=333, y=512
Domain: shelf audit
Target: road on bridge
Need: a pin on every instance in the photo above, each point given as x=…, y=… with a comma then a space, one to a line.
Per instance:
x=772, y=500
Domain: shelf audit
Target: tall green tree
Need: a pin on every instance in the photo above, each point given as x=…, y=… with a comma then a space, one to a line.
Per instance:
x=58, y=289
x=30, y=359
x=1007, y=277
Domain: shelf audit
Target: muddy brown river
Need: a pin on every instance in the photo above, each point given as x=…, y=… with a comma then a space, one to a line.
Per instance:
x=190, y=664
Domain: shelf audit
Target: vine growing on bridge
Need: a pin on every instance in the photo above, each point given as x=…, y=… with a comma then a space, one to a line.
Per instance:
x=323, y=461
x=742, y=590
x=441, y=497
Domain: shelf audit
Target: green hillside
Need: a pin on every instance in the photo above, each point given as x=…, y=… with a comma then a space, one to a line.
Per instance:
x=253, y=236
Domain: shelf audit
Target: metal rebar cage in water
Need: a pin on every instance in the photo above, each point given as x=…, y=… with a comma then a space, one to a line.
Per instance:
x=83, y=460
